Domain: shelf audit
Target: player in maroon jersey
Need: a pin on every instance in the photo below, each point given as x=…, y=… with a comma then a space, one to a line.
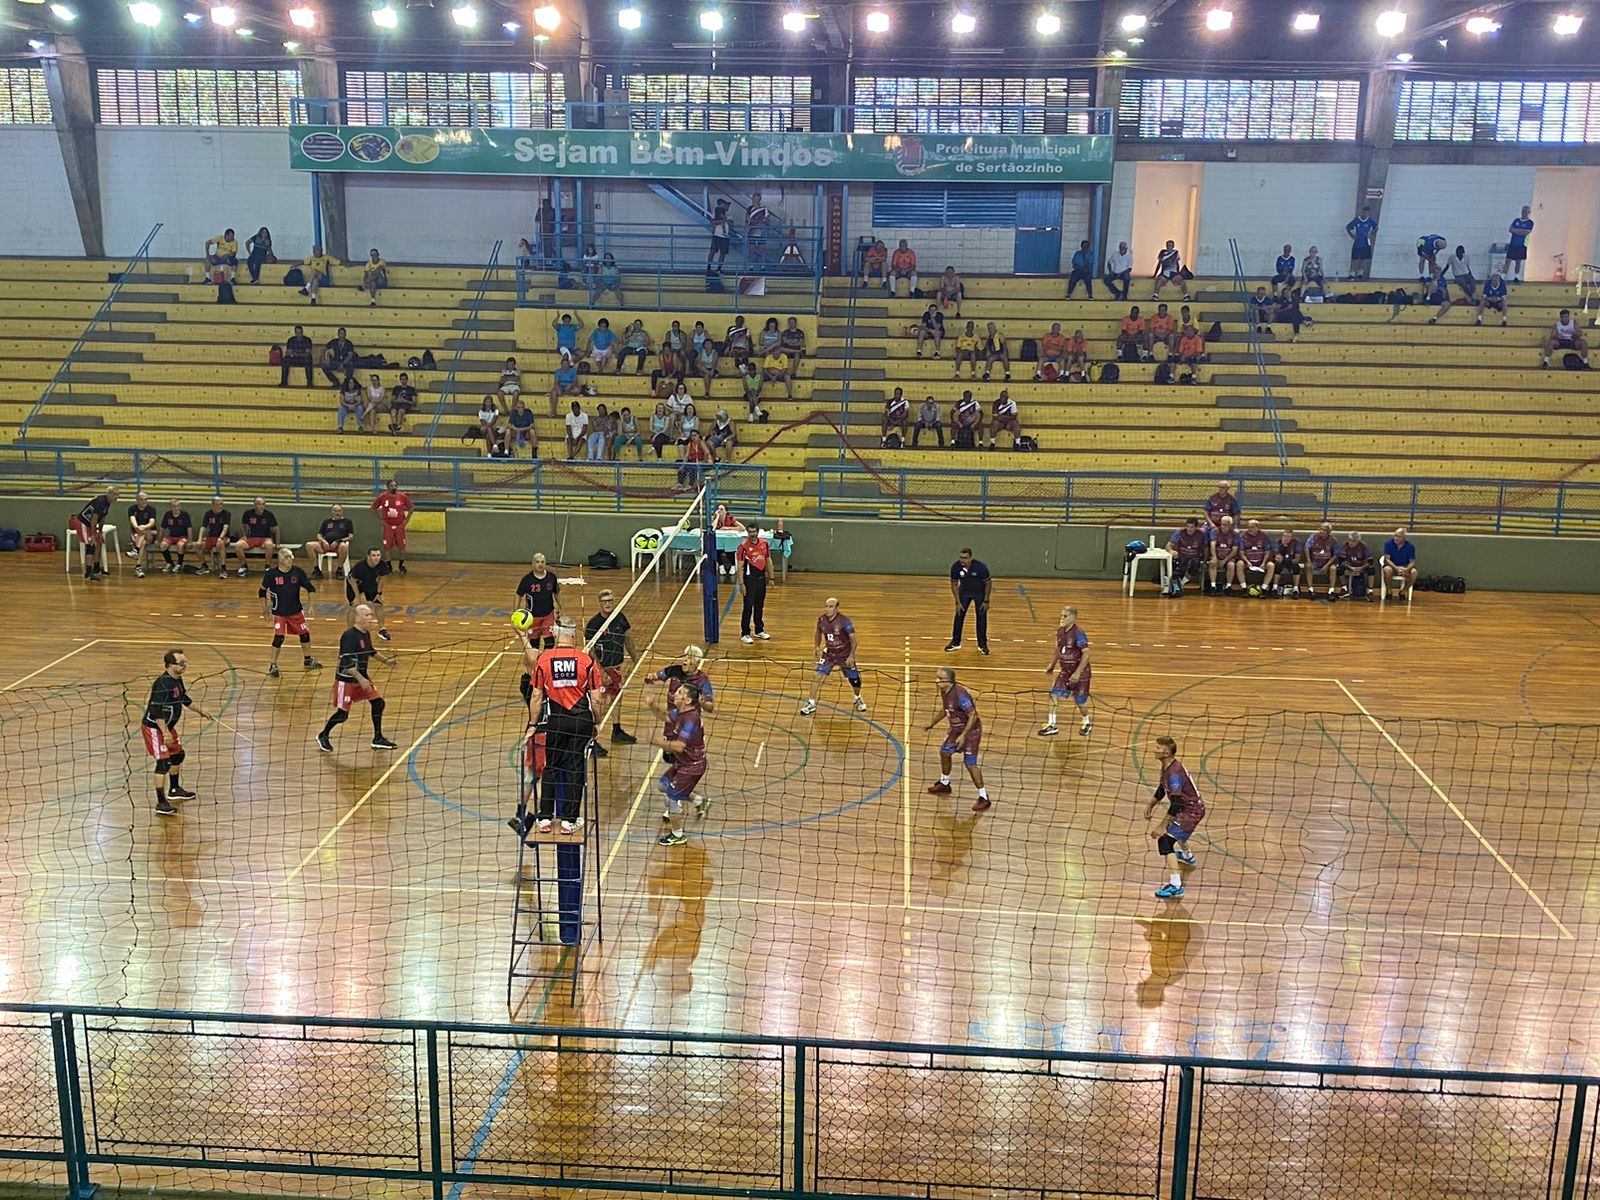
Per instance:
x=684, y=741
x=1071, y=662
x=1189, y=548
x=964, y=735
x=1225, y=558
x=394, y=509
x=1255, y=555
x=1322, y=558
x=1185, y=811
x=1287, y=556
x=1355, y=564
x=834, y=646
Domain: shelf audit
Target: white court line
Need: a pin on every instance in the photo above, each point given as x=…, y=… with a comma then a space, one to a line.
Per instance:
x=1459, y=815
x=967, y=667
x=257, y=645
x=905, y=779
x=56, y=663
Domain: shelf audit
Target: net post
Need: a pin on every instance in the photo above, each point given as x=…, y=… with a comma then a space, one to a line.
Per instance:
x=435, y=1133
x=797, y=1184
x=1569, y=1173
x=1178, y=1186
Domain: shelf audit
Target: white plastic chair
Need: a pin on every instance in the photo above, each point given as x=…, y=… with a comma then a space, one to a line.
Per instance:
x=636, y=551
x=108, y=536
x=1383, y=587
x=1154, y=554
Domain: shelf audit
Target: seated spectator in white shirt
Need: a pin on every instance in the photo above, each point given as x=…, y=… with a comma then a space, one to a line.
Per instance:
x=1311, y=273
x=1119, y=271
x=1564, y=335
x=577, y=430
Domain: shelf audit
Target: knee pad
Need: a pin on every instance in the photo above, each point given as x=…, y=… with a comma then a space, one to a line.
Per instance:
x=853, y=678
x=1166, y=843
x=305, y=639
x=176, y=761
x=163, y=765
x=340, y=716
x=277, y=641
x=377, y=707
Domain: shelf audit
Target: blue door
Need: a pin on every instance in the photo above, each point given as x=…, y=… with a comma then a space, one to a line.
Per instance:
x=1038, y=247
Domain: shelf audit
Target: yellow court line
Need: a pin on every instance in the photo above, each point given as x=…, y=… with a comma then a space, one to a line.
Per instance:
x=905, y=776
x=56, y=663
x=1460, y=816
x=394, y=766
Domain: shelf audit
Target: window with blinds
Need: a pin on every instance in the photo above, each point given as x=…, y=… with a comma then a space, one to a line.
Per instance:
x=23, y=100
x=1513, y=111
x=1239, y=110
x=502, y=99
x=906, y=104
x=717, y=103
x=918, y=205
x=196, y=96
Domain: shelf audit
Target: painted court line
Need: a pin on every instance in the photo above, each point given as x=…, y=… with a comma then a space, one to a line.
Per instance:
x=394, y=766
x=257, y=645
x=1459, y=815
x=905, y=777
x=54, y=663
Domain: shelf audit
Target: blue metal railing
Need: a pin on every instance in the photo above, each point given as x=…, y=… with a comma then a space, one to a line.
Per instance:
x=467, y=338
x=664, y=290
x=1269, y=406
x=789, y=1118
x=102, y=316
x=436, y=482
x=677, y=248
x=1105, y=497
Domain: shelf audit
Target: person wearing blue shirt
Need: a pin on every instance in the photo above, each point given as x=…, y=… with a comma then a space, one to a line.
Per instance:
x=1362, y=230
x=1399, y=563
x=567, y=334
x=1082, y=270
x=1517, y=247
x=603, y=347
x=566, y=383
x=1428, y=247
x=1494, y=296
x=1283, y=269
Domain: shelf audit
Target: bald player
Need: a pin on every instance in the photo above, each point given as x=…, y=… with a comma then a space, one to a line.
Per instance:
x=965, y=734
x=1071, y=662
x=834, y=646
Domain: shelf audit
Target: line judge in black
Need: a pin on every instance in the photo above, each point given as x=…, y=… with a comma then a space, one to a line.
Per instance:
x=970, y=584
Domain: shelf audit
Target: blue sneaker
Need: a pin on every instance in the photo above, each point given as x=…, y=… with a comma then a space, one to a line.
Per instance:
x=1186, y=857
x=1170, y=892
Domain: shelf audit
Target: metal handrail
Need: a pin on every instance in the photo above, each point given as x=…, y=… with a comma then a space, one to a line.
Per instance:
x=1269, y=407
x=849, y=352
x=655, y=286
x=469, y=336
x=674, y=247
x=64, y=371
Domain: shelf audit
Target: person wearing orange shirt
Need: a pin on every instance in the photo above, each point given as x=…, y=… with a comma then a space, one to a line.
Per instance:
x=1052, y=353
x=1191, y=347
x=1131, y=333
x=568, y=690
x=1162, y=330
x=874, y=262
x=1077, y=355
x=902, y=265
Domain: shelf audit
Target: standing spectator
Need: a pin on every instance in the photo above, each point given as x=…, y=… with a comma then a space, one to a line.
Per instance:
x=896, y=416
x=566, y=382
x=1564, y=335
x=296, y=353
x=350, y=402
x=628, y=434
x=930, y=329
x=608, y=278
x=1082, y=270
x=635, y=341
x=1312, y=274
x=1363, y=231
x=691, y=463
x=902, y=265
x=966, y=423
x=259, y=250
x=793, y=341
x=1399, y=561
x=721, y=236
x=1119, y=271
x=995, y=350
x=951, y=290
x=1169, y=269
x=1003, y=418
x=1494, y=296
x=723, y=439
x=875, y=263
x=521, y=428
x=339, y=355
x=577, y=430
x=374, y=275
x=1222, y=503
x=1429, y=246
x=492, y=429
x=662, y=433
x=970, y=585
x=928, y=418
x=753, y=563
x=1052, y=353
x=599, y=440
x=402, y=403
x=757, y=220
x=317, y=268
x=222, y=251
x=603, y=348
x=776, y=368
x=1283, y=268
x=1517, y=246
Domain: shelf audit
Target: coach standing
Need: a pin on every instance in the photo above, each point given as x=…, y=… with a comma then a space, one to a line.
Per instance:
x=970, y=583
x=568, y=689
x=754, y=562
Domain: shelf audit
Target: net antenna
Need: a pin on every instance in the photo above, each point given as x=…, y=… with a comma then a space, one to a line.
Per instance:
x=556, y=903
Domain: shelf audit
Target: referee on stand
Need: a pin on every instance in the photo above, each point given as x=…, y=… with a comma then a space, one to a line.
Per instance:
x=568, y=690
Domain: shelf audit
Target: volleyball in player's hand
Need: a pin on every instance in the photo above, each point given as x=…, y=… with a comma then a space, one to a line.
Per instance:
x=522, y=620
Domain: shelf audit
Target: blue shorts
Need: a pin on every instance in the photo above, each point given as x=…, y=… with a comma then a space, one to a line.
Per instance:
x=968, y=757
x=1178, y=833
x=1078, y=698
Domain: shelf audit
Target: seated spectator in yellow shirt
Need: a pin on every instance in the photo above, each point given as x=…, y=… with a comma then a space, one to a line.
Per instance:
x=776, y=368
x=967, y=343
x=222, y=251
x=317, y=268
x=374, y=275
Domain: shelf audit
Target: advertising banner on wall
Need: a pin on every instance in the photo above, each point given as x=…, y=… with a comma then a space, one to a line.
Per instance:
x=691, y=155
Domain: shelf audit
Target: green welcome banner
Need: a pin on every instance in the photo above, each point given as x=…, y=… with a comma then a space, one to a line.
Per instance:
x=672, y=154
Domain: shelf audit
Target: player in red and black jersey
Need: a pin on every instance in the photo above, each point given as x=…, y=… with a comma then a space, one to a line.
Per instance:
x=214, y=524
x=539, y=593
x=364, y=585
x=333, y=537
x=964, y=736
x=394, y=509
x=176, y=526
x=168, y=698
x=88, y=526
x=352, y=684
x=260, y=532
x=280, y=590
x=1185, y=811
x=610, y=643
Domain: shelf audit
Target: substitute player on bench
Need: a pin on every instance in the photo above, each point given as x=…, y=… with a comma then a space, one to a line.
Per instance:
x=834, y=646
x=168, y=699
x=1185, y=811
x=1071, y=661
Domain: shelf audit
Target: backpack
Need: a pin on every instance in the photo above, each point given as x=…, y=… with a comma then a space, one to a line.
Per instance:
x=1027, y=443
x=294, y=277
x=427, y=361
x=1030, y=351
x=1129, y=353
x=414, y=363
x=275, y=356
x=1214, y=334
x=963, y=439
x=1573, y=361
x=225, y=293
x=1164, y=373
x=1110, y=373
x=891, y=441
x=10, y=539
x=1049, y=373
x=603, y=560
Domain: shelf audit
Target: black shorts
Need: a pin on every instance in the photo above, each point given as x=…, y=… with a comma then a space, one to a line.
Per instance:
x=1517, y=253
x=1360, y=253
x=719, y=245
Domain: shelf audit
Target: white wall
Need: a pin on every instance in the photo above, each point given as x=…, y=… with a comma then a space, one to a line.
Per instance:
x=1265, y=205
x=1165, y=207
x=1470, y=206
x=439, y=220
x=1566, y=220
x=198, y=182
x=39, y=218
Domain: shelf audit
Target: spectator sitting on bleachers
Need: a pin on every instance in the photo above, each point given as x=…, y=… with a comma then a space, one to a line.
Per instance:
x=736, y=342
x=1355, y=562
x=1226, y=560
x=1222, y=503
x=1169, y=269
x=628, y=434
x=521, y=429
x=928, y=418
x=692, y=457
x=1287, y=563
x=1288, y=309
x=930, y=329
x=1564, y=335
x=317, y=268
x=793, y=341
x=1052, y=353
x=995, y=350
x=635, y=342
x=706, y=363
x=1322, y=558
x=222, y=251
x=767, y=340
x=608, y=278
x=896, y=416
x=510, y=379
x=776, y=368
x=1263, y=308
x=1256, y=566
x=875, y=263
x=1399, y=563
x=1119, y=271
x=589, y=267
x=1131, y=333
x=491, y=429
x=296, y=353
x=1003, y=418
x=339, y=358
x=1460, y=266
x=259, y=252
x=567, y=382
x=966, y=423
x=967, y=343
x=374, y=403
x=1311, y=273
x=672, y=364
x=1162, y=330
x=1191, y=346
x=723, y=439
x=599, y=440
x=567, y=329
x=902, y=265
x=577, y=422
x=1429, y=246
x=750, y=380
x=676, y=340
x=1082, y=270
x=1283, y=269
x=1495, y=297
x=374, y=275
x=402, y=403
x=688, y=424
x=602, y=348
x=662, y=433
x=1190, y=550
x=951, y=290
x=350, y=401
x=1078, y=357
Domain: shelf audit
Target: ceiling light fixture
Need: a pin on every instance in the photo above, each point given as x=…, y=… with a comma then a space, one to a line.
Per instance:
x=547, y=17
x=1482, y=26
x=225, y=15
x=877, y=21
x=963, y=23
x=1133, y=22
x=630, y=18
x=465, y=16
x=1404, y=56
x=711, y=20
x=1390, y=24
x=302, y=17
x=63, y=13
x=1566, y=24
x=1219, y=20
x=1117, y=54
x=386, y=17
x=1047, y=24
x=794, y=21
x=145, y=13
x=1307, y=22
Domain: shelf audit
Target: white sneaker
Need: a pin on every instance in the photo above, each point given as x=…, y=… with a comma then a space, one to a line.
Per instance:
x=570, y=827
x=809, y=707
x=747, y=639
x=765, y=637
x=544, y=825
x=861, y=705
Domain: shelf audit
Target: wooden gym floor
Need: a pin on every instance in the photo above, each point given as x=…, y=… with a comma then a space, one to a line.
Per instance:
x=1395, y=868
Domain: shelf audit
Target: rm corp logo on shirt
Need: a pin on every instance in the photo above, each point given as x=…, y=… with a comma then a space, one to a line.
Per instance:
x=564, y=670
